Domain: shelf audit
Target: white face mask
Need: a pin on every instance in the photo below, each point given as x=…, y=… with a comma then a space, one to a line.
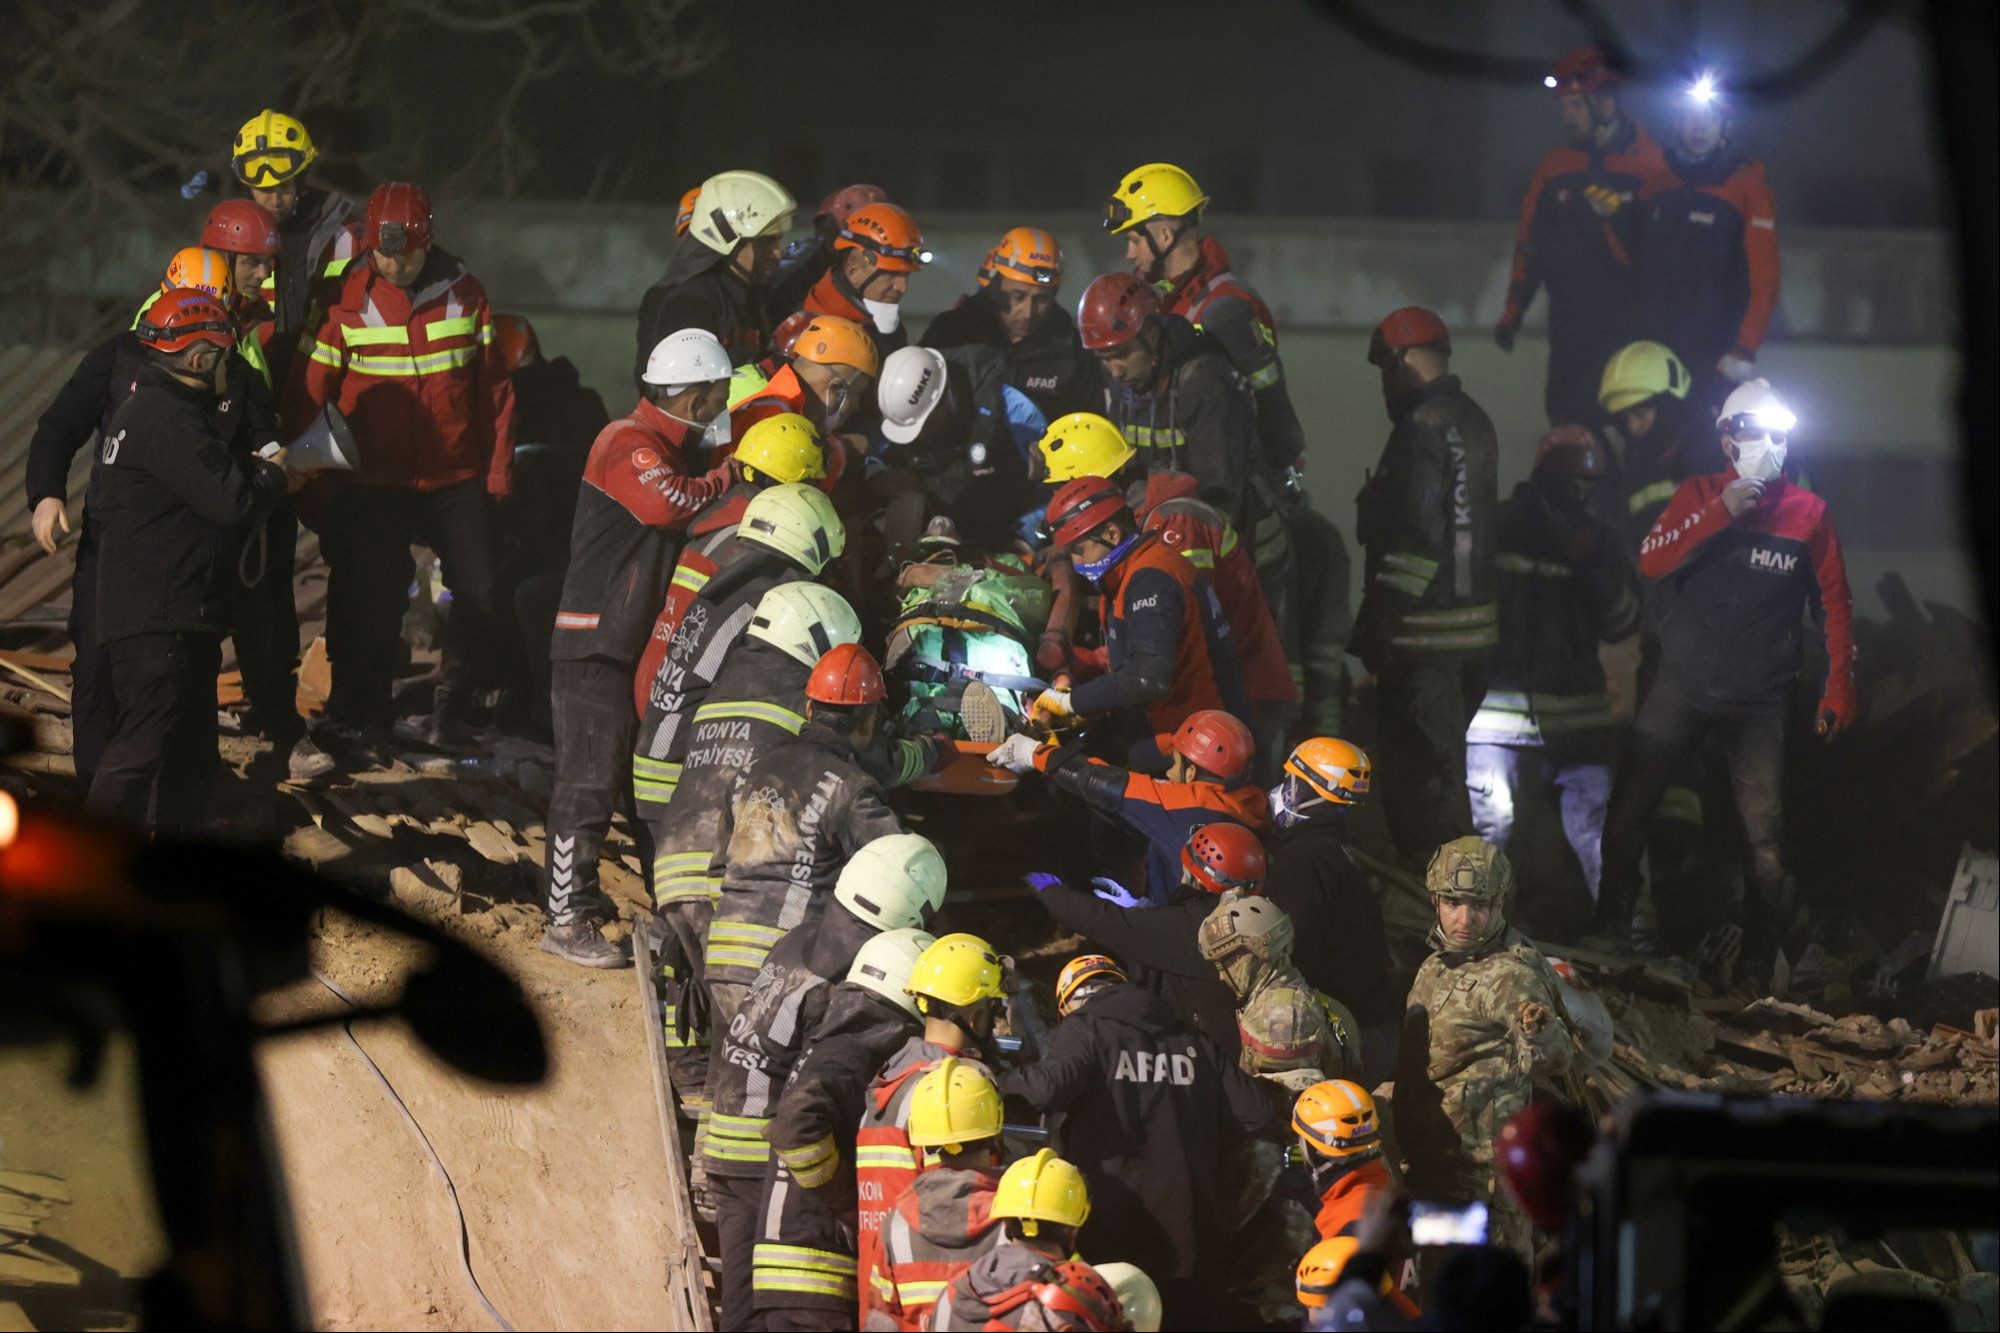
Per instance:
x=887, y=318
x=1759, y=459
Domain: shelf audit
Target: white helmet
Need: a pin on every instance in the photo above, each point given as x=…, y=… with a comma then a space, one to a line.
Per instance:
x=738, y=206
x=884, y=965
x=911, y=388
x=796, y=521
x=895, y=881
x=687, y=358
x=805, y=620
x=1756, y=403
x=1138, y=1297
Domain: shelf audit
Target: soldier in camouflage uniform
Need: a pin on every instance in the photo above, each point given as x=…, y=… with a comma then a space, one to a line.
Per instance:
x=1286, y=1026
x=1484, y=1033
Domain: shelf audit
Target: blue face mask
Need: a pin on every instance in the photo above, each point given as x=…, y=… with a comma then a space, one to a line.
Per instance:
x=1097, y=569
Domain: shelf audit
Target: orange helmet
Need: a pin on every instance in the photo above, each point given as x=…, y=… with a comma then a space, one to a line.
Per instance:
x=201, y=269
x=830, y=340
x=986, y=273
x=888, y=232
x=518, y=344
x=1337, y=1119
x=847, y=676
x=685, y=217
x=182, y=317
x=1080, y=969
x=1028, y=254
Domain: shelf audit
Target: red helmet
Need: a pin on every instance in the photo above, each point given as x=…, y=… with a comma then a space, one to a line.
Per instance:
x=1215, y=741
x=843, y=203
x=518, y=343
x=399, y=220
x=1570, y=451
x=1539, y=1150
x=1222, y=857
x=1079, y=1297
x=1400, y=330
x=1582, y=69
x=1083, y=506
x=786, y=335
x=183, y=317
x=240, y=227
x=847, y=676
x=1113, y=310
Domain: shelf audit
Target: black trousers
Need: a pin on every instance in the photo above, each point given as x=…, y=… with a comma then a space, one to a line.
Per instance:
x=736, y=1209
x=161, y=760
x=1423, y=705
x=366, y=533
x=93, y=709
x=590, y=701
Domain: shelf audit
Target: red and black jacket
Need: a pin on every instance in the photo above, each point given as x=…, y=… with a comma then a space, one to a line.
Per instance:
x=1733, y=629
x=1229, y=310
x=1708, y=272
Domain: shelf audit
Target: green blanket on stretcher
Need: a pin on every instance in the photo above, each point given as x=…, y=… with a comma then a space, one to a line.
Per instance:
x=972, y=624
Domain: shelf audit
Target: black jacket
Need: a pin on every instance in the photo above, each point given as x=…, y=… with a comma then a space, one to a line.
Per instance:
x=1342, y=947
x=1050, y=365
x=1149, y=1108
x=171, y=501
x=1200, y=420
x=966, y=459
x=703, y=290
x=1159, y=950
x=99, y=385
x=1683, y=443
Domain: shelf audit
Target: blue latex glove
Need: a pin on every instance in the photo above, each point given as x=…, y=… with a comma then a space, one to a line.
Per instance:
x=1113, y=892
x=1041, y=881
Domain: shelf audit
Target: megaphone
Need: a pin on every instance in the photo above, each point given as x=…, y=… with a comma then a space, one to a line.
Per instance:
x=327, y=443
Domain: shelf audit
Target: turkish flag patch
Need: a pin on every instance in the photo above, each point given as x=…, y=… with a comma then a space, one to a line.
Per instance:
x=645, y=459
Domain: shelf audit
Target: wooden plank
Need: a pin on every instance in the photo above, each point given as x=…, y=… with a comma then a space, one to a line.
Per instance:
x=685, y=1282
x=36, y=1185
x=28, y=1268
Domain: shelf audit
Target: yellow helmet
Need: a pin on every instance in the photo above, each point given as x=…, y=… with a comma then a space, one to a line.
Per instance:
x=1156, y=190
x=783, y=448
x=202, y=269
x=1335, y=770
x=271, y=149
x=958, y=970
x=1042, y=1188
x=952, y=1106
x=1083, y=444
x=1638, y=371
x=1336, y=1118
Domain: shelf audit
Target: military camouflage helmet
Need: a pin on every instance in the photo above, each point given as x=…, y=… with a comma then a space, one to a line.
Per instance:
x=1470, y=868
x=1284, y=1029
x=1253, y=924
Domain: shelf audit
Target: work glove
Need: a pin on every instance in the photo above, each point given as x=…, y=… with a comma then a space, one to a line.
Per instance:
x=1051, y=707
x=1739, y=367
x=1113, y=892
x=1835, y=713
x=1041, y=881
x=1016, y=754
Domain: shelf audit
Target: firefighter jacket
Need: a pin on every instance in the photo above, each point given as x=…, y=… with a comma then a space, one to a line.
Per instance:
x=703, y=290
x=1198, y=418
x=1342, y=947
x=1286, y=1025
x=833, y=295
x=806, y=1244
x=1579, y=235
x=1227, y=309
x=1163, y=813
x=1168, y=505
x=757, y=704
x=1001, y=1290
x=315, y=242
x=1425, y=519
x=796, y=815
x=936, y=1229
x=171, y=501
x=769, y=1031
x=710, y=628
x=1467, y=1063
x=972, y=458
x=1565, y=586
x=418, y=376
x=711, y=539
x=884, y=1162
x=1160, y=949
x=641, y=488
x=1166, y=642
x=1345, y=1200
x=1050, y=365
x=1732, y=633
x=1708, y=269
x=1149, y=1106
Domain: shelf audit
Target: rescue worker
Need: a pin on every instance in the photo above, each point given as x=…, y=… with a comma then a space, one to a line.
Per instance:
x=967, y=437
x=875, y=255
x=1167, y=648
x=1342, y=947
x=406, y=351
x=1428, y=620
x=1666, y=438
x=1028, y=1280
x=1284, y=1026
x=1372, y=1298
x=1579, y=232
x=172, y=498
x=942, y=1223
x=1207, y=781
x=1708, y=266
x=643, y=482
x=1564, y=588
x=1138, y=1295
x=718, y=274
x=247, y=233
x=959, y=985
x=1340, y=1136
x=805, y=261
x=1018, y=310
x=317, y=232
x=833, y=362
x=893, y=883
x=1161, y=945
x=1749, y=554
x=1148, y=1105
x=1484, y=1032
x=804, y=1273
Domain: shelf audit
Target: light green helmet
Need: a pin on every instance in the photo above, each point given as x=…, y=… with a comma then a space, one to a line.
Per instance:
x=797, y=522
x=805, y=620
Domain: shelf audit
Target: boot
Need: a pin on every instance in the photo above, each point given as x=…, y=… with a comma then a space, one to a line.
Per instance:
x=583, y=943
x=982, y=715
x=447, y=727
